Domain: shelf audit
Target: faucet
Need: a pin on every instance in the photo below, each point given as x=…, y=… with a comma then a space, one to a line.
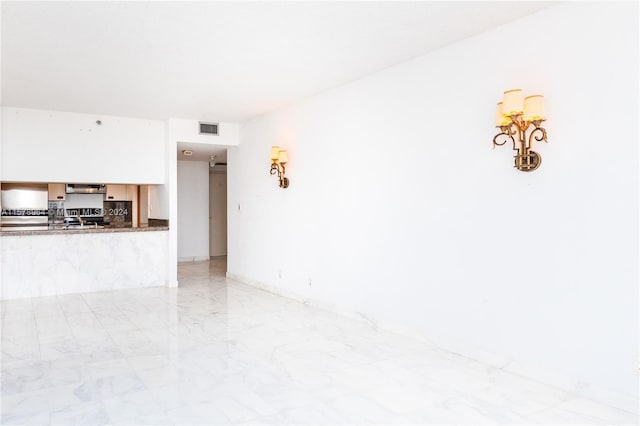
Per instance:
x=81, y=220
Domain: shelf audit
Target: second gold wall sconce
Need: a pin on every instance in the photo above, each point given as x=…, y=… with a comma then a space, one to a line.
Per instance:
x=514, y=116
x=278, y=160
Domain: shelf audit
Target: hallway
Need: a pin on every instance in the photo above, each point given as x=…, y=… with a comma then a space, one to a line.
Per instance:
x=217, y=352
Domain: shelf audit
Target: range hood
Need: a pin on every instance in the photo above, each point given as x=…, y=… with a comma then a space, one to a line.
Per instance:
x=86, y=188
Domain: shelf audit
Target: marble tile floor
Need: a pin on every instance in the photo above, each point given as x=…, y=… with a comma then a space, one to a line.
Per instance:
x=218, y=352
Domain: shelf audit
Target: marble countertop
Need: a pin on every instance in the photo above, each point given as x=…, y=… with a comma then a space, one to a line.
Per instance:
x=87, y=230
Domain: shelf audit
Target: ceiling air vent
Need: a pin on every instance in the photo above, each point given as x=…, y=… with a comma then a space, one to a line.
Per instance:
x=209, y=128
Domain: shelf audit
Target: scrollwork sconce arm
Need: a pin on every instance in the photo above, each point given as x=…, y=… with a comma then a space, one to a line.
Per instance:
x=280, y=170
x=539, y=134
x=506, y=134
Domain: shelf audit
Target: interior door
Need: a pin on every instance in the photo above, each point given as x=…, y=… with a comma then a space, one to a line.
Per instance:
x=217, y=214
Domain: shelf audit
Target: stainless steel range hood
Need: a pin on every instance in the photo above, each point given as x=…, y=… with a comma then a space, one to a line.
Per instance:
x=86, y=188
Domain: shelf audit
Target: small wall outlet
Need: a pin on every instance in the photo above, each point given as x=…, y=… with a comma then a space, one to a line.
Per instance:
x=309, y=281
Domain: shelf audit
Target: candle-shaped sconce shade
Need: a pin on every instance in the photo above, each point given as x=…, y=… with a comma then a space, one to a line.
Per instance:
x=519, y=120
x=512, y=103
x=278, y=160
x=534, y=108
x=501, y=119
x=274, y=152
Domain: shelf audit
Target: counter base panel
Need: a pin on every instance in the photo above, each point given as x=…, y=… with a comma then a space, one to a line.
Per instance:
x=48, y=265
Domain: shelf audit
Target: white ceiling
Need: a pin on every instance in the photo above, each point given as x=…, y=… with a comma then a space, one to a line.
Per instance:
x=202, y=152
x=219, y=61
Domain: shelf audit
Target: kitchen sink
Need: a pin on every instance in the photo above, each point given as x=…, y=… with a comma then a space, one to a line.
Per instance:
x=84, y=227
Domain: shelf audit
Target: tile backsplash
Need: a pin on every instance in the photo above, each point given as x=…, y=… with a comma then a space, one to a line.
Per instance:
x=118, y=213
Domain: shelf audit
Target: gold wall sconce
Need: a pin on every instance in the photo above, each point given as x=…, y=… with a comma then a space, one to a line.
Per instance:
x=278, y=160
x=514, y=116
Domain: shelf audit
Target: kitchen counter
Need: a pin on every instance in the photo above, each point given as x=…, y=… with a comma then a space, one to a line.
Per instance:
x=85, y=230
x=36, y=263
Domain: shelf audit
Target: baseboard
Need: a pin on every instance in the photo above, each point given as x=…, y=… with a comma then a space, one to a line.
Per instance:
x=171, y=283
x=192, y=259
x=568, y=384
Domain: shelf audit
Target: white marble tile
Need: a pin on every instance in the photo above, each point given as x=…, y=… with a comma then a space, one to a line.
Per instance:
x=50, y=309
x=73, y=304
x=18, y=313
x=68, y=370
x=17, y=305
x=121, y=326
x=108, y=387
x=16, y=328
x=87, y=413
x=255, y=403
x=176, y=395
x=556, y=416
x=603, y=413
x=138, y=408
x=86, y=325
x=316, y=414
x=520, y=395
x=59, y=347
x=24, y=377
x=26, y=404
x=53, y=327
x=146, y=362
x=155, y=377
x=198, y=413
x=99, y=349
x=109, y=367
x=82, y=319
x=217, y=352
x=19, y=348
x=108, y=314
x=26, y=420
x=361, y=409
x=235, y=411
x=283, y=395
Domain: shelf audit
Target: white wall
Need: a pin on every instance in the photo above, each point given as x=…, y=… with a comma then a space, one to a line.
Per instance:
x=217, y=214
x=400, y=210
x=193, y=210
x=53, y=146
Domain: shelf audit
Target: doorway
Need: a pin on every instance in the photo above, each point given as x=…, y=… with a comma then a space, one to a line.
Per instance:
x=202, y=201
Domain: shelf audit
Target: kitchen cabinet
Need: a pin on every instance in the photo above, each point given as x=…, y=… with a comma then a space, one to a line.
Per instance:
x=132, y=192
x=117, y=193
x=57, y=191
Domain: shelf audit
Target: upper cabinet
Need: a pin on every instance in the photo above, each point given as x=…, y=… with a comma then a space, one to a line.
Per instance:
x=117, y=193
x=57, y=191
x=121, y=193
x=132, y=193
